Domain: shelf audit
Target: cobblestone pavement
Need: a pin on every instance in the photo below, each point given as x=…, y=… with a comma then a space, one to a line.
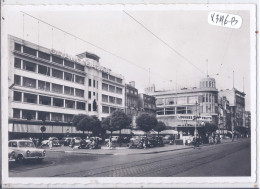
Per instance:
x=169, y=163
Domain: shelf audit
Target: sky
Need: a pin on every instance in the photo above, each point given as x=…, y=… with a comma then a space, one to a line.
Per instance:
x=216, y=50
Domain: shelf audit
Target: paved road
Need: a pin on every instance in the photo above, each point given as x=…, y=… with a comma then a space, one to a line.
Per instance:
x=229, y=159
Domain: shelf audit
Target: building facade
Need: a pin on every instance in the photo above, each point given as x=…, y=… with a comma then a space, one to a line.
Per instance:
x=224, y=115
x=49, y=87
x=186, y=108
x=131, y=99
x=237, y=106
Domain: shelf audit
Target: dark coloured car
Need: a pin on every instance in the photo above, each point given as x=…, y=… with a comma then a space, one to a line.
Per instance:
x=65, y=141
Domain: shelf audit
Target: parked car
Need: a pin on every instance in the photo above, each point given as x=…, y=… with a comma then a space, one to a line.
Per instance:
x=65, y=141
x=11, y=155
x=55, y=142
x=26, y=150
x=114, y=139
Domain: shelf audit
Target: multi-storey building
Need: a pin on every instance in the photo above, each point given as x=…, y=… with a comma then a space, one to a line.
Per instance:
x=248, y=120
x=131, y=99
x=147, y=103
x=49, y=87
x=179, y=109
x=224, y=115
x=237, y=106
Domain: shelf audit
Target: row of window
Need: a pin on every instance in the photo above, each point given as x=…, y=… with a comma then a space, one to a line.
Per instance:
x=207, y=84
x=112, y=88
x=111, y=99
x=111, y=78
x=49, y=101
x=108, y=110
x=39, y=115
x=47, y=86
x=130, y=91
x=171, y=111
x=48, y=57
x=44, y=70
x=133, y=102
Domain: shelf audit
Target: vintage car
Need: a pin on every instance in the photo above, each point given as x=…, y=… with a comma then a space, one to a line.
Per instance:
x=55, y=142
x=11, y=155
x=26, y=150
x=65, y=141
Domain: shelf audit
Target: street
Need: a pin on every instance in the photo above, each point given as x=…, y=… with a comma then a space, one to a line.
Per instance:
x=227, y=159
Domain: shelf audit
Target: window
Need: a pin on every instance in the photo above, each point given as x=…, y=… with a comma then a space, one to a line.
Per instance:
x=16, y=113
x=104, y=98
x=105, y=109
x=112, y=78
x=89, y=94
x=89, y=107
x=118, y=80
x=45, y=100
x=29, y=51
x=79, y=93
x=68, y=76
x=56, y=88
x=44, y=55
x=181, y=110
x=112, y=88
x=105, y=86
x=169, y=111
x=28, y=82
x=89, y=82
x=119, y=90
x=68, y=117
x=81, y=106
x=70, y=104
x=79, y=79
x=119, y=101
x=57, y=73
x=58, y=102
x=112, y=99
x=104, y=75
x=43, y=70
x=56, y=117
x=69, y=90
x=30, y=98
x=94, y=83
x=44, y=116
x=29, y=66
x=79, y=67
x=17, y=96
x=112, y=110
x=28, y=114
x=43, y=85
x=160, y=111
x=68, y=63
x=17, y=47
x=57, y=60
x=17, y=80
x=17, y=63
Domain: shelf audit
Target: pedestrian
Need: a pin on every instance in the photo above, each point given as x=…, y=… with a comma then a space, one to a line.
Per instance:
x=50, y=143
x=72, y=143
x=37, y=142
x=110, y=142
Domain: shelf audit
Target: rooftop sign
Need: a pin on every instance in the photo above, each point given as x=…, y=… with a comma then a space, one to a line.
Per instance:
x=81, y=61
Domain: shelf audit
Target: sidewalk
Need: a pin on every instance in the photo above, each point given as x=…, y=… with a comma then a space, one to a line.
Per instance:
x=126, y=150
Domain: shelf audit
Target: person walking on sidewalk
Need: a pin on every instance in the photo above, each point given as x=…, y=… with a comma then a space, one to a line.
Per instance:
x=110, y=142
x=50, y=143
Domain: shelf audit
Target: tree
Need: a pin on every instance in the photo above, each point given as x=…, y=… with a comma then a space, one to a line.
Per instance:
x=146, y=122
x=106, y=124
x=97, y=129
x=83, y=122
x=119, y=120
x=160, y=127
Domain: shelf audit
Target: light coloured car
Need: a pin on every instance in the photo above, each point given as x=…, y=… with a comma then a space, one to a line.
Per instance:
x=55, y=140
x=11, y=155
x=26, y=150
